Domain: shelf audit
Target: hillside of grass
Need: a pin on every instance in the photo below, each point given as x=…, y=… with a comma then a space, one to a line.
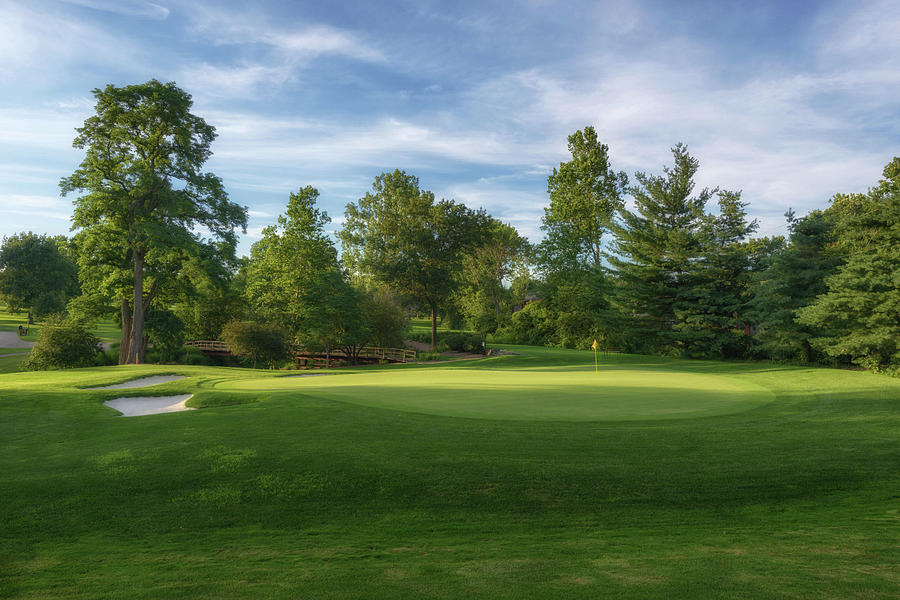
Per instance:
x=528, y=476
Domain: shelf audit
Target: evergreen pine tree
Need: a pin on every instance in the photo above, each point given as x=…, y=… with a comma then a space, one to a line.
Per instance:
x=708, y=312
x=795, y=276
x=655, y=249
x=860, y=312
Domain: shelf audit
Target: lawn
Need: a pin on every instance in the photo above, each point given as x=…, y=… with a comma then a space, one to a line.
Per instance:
x=106, y=330
x=526, y=476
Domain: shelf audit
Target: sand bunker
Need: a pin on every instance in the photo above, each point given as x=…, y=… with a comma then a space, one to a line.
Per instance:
x=139, y=383
x=152, y=405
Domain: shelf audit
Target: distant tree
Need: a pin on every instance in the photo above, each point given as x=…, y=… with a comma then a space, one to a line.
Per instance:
x=400, y=236
x=487, y=270
x=338, y=320
x=62, y=344
x=165, y=331
x=35, y=274
x=710, y=313
x=859, y=314
x=287, y=267
x=794, y=277
x=656, y=247
x=257, y=341
x=585, y=194
x=385, y=317
x=147, y=195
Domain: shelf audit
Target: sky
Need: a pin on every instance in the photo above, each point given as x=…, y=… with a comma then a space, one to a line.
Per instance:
x=789, y=102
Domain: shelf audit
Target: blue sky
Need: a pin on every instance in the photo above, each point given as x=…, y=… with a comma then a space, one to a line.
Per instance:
x=790, y=102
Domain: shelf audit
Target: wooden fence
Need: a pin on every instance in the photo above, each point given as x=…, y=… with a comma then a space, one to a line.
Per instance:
x=396, y=355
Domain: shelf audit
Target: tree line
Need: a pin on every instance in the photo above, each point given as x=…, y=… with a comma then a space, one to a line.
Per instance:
x=648, y=263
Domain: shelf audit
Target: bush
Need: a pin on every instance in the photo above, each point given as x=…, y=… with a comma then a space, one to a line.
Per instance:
x=165, y=332
x=63, y=344
x=258, y=341
x=462, y=342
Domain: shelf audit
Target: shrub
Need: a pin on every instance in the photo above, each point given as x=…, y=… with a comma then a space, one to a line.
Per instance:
x=165, y=332
x=462, y=342
x=258, y=341
x=62, y=344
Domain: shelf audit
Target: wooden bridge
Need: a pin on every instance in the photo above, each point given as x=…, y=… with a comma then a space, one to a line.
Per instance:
x=367, y=354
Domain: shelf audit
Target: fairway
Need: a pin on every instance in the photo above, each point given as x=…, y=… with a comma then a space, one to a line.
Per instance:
x=527, y=476
x=564, y=392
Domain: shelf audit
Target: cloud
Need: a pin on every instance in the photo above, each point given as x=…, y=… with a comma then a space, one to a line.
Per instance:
x=235, y=81
x=130, y=8
x=223, y=28
x=41, y=48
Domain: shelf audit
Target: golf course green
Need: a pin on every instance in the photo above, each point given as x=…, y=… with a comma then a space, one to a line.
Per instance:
x=491, y=391
x=522, y=476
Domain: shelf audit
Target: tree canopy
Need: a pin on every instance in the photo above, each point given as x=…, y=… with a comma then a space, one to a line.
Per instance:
x=400, y=235
x=35, y=274
x=146, y=191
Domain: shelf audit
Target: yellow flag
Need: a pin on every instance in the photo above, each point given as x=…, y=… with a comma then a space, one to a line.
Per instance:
x=595, y=345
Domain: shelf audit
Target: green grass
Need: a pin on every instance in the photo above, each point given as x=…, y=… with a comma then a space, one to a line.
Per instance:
x=424, y=325
x=107, y=331
x=11, y=364
x=513, y=477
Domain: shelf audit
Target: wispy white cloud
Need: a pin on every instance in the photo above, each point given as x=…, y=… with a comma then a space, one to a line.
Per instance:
x=131, y=8
x=301, y=40
x=40, y=47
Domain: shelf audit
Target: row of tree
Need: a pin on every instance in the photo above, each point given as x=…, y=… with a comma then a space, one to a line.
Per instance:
x=156, y=237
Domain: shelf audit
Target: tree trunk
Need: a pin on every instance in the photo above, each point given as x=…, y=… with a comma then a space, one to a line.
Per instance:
x=30, y=318
x=125, y=342
x=137, y=323
x=433, y=327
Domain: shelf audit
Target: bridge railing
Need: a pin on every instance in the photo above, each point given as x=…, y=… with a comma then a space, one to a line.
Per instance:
x=400, y=355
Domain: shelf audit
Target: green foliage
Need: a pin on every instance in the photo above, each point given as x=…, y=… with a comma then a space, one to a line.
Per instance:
x=36, y=274
x=62, y=344
x=709, y=312
x=400, y=236
x=257, y=341
x=792, y=279
x=656, y=248
x=858, y=314
x=165, y=331
x=385, y=317
x=535, y=325
x=585, y=194
x=483, y=292
x=294, y=279
x=146, y=197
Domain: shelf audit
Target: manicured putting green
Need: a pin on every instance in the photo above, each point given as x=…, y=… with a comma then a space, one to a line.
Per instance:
x=571, y=393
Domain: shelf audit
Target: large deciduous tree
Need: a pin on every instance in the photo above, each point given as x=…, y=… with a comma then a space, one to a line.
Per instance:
x=487, y=270
x=585, y=194
x=147, y=195
x=399, y=235
x=294, y=279
x=35, y=275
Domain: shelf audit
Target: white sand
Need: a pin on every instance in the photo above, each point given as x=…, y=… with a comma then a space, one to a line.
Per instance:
x=153, y=405
x=138, y=383
x=11, y=339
